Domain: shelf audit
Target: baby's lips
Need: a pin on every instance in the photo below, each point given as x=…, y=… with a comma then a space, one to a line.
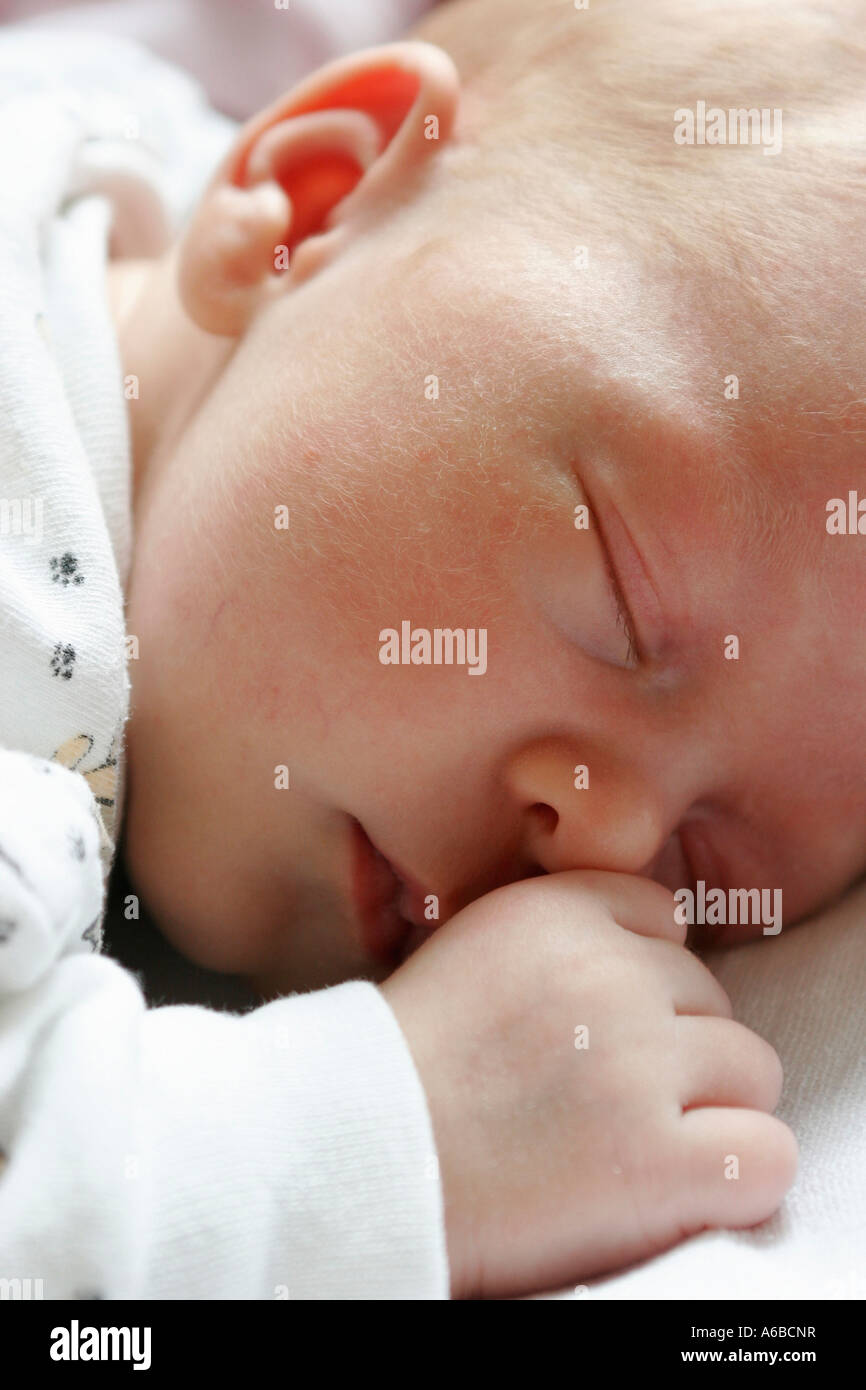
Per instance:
x=412, y=904
x=378, y=889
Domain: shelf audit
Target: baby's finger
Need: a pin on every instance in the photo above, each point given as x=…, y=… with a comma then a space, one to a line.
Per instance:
x=738, y=1165
x=640, y=905
x=693, y=989
x=721, y=1062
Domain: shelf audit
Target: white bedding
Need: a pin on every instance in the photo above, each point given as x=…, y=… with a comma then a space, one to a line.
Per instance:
x=245, y=53
x=805, y=992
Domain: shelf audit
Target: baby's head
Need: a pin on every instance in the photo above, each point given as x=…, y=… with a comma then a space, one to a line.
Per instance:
x=526, y=336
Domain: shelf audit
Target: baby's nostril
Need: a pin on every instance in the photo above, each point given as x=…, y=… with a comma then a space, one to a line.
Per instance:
x=545, y=818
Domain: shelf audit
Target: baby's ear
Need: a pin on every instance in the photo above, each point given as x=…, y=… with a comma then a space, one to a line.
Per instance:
x=308, y=173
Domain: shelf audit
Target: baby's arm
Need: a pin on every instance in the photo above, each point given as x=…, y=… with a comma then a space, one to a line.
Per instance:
x=179, y=1153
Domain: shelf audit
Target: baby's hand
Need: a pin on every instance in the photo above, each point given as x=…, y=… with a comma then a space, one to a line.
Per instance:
x=592, y=1100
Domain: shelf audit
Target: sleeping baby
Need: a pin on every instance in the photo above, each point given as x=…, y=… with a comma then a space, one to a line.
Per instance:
x=422, y=551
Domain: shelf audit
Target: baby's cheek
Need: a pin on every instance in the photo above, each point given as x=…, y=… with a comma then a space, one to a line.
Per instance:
x=705, y=937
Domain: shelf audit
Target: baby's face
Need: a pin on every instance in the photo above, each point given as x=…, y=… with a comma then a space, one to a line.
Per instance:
x=434, y=418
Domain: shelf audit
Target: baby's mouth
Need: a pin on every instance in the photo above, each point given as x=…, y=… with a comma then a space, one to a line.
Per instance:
x=388, y=907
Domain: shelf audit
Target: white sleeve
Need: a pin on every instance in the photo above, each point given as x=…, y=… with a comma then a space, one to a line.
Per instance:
x=181, y=1153
x=51, y=889
x=293, y=1155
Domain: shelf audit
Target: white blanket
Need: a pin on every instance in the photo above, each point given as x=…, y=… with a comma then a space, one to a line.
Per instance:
x=804, y=991
x=245, y=53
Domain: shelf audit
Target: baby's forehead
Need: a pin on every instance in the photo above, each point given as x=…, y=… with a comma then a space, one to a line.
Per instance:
x=715, y=424
x=586, y=141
